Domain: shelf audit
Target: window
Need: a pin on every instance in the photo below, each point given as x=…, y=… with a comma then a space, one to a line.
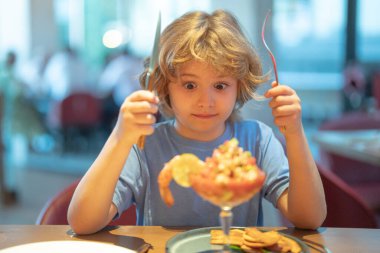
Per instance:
x=309, y=35
x=368, y=31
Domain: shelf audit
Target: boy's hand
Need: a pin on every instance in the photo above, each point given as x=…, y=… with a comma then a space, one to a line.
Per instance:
x=136, y=116
x=286, y=108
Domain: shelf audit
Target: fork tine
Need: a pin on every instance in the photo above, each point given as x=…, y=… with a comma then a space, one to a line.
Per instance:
x=267, y=48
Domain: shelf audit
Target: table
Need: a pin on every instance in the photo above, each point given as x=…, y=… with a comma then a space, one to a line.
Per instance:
x=363, y=145
x=322, y=240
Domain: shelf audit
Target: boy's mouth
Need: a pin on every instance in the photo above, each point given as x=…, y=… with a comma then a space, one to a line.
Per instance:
x=205, y=115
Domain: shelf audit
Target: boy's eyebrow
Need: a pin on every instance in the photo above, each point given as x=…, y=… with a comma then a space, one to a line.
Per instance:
x=188, y=74
x=194, y=75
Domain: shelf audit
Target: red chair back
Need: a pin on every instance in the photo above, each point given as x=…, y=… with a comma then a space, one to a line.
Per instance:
x=364, y=178
x=55, y=210
x=80, y=110
x=345, y=208
x=353, y=121
x=376, y=89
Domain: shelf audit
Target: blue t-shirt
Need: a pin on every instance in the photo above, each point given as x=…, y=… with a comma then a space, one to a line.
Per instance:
x=138, y=180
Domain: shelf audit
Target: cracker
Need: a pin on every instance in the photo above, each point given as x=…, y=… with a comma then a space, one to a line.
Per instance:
x=288, y=245
x=262, y=239
x=236, y=237
x=252, y=240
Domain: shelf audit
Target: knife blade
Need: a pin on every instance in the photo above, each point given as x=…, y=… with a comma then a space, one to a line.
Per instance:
x=152, y=64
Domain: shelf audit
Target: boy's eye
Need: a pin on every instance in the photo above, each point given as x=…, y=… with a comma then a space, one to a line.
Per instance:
x=220, y=86
x=190, y=86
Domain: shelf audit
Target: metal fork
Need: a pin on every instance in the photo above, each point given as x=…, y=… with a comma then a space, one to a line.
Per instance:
x=267, y=48
x=283, y=128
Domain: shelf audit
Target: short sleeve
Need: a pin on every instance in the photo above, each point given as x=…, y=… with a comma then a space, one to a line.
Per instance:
x=130, y=186
x=275, y=164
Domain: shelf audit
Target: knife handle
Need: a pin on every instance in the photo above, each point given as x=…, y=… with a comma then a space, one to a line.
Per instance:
x=141, y=142
x=149, y=86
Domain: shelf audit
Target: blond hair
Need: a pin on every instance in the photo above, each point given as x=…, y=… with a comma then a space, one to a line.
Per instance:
x=215, y=38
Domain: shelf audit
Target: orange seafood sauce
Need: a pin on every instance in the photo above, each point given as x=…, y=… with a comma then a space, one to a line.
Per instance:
x=230, y=176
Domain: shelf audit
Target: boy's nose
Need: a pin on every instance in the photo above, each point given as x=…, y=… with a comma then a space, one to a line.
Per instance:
x=205, y=99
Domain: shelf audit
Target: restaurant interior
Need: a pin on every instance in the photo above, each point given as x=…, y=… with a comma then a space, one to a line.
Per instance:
x=71, y=63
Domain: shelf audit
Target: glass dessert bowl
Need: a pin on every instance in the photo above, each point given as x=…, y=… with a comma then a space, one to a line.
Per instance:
x=227, y=179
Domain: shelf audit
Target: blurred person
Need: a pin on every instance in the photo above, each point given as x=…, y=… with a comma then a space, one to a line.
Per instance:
x=121, y=76
x=19, y=123
x=354, y=85
x=31, y=73
x=64, y=74
x=117, y=81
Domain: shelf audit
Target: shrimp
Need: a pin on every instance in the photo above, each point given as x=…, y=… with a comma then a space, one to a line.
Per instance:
x=164, y=179
x=178, y=168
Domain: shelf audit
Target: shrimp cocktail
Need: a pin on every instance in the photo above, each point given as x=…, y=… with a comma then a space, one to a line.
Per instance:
x=228, y=178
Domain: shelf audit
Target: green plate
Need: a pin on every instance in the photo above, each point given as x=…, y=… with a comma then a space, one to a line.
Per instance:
x=198, y=240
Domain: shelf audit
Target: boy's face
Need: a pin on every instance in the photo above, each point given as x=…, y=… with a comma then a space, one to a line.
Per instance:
x=202, y=100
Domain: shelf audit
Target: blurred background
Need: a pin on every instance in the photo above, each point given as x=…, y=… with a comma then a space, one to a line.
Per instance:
x=67, y=65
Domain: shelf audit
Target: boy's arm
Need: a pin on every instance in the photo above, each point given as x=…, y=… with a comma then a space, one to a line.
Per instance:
x=304, y=202
x=91, y=207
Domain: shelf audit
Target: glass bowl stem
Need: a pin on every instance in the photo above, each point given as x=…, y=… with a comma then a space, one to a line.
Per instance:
x=226, y=217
